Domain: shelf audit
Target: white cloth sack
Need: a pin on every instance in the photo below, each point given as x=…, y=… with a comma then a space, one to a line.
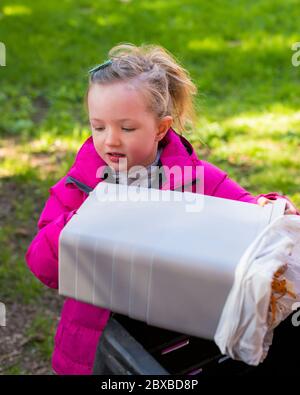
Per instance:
x=243, y=331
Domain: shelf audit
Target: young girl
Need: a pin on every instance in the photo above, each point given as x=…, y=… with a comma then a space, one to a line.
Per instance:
x=134, y=100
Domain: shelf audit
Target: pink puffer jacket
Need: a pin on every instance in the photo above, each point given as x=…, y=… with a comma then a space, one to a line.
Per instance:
x=81, y=324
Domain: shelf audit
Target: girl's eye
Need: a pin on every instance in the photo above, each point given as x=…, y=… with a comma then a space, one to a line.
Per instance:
x=126, y=129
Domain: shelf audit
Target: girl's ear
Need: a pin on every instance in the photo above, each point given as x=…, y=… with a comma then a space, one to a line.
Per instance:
x=164, y=125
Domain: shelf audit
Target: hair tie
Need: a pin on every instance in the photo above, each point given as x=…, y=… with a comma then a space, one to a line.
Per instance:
x=100, y=66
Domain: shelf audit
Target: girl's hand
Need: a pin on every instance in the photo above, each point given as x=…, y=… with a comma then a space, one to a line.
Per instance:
x=289, y=208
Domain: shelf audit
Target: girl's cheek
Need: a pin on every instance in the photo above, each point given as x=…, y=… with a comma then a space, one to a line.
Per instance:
x=97, y=145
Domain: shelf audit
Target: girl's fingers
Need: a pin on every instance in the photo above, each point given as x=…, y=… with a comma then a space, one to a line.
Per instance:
x=289, y=212
x=290, y=209
x=262, y=201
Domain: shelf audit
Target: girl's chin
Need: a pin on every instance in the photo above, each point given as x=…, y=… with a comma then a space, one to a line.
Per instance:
x=119, y=166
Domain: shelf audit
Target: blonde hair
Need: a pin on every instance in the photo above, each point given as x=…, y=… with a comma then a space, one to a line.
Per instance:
x=169, y=88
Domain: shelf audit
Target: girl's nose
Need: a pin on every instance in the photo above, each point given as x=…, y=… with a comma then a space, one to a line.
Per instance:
x=112, y=138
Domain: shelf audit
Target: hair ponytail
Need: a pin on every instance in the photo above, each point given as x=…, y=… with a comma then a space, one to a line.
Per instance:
x=180, y=86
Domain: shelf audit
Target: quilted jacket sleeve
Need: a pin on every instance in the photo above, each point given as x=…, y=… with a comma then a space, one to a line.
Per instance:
x=42, y=254
x=221, y=185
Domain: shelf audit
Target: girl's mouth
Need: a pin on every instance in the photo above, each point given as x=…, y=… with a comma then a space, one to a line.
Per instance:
x=115, y=156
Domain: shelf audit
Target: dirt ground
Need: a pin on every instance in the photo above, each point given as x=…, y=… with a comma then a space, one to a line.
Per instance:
x=19, y=352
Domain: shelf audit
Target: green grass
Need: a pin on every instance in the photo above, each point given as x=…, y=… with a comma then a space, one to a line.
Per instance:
x=41, y=331
x=17, y=283
x=14, y=370
x=238, y=53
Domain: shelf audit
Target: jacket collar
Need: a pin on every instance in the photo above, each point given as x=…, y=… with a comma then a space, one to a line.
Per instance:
x=179, y=161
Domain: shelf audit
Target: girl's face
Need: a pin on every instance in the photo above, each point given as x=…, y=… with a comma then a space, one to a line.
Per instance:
x=124, y=132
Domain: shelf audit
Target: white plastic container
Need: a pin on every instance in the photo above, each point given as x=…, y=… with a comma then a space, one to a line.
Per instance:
x=166, y=258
